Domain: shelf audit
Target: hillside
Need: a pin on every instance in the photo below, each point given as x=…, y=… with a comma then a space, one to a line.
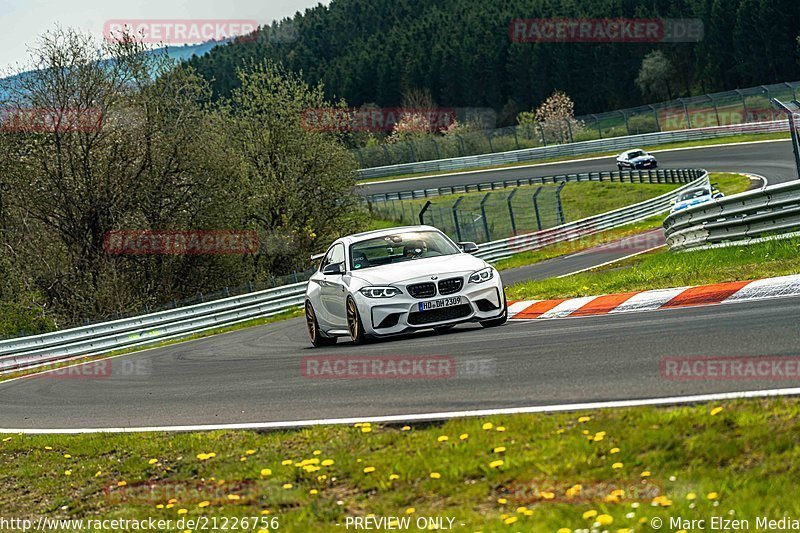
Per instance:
x=371, y=51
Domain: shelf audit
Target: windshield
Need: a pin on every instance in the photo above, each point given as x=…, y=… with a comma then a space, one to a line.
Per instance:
x=636, y=153
x=400, y=247
x=694, y=193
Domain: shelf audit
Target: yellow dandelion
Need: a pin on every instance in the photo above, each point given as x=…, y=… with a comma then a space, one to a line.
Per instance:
x=243, y=458
x=443, y=438
x=249, y=452
x=715, y=411
x=286, y=462
x=121, y=483
x=411, y=510
x=646, y=473
x=463, y=436
x=66, y=455
x=510, y=520
x=327, y=462
x=287, y=486
x=366, y=429
x=97, y=474
x=617, y=466
x=152, y=461
x=499, y=449
x=500, y=428
x=584, y=419
x=266, y=472
x=559, y=431
x=502, y=501
x=48, y=447
x=67, y=472
x=521, y=509
x=547, y=495
x=712, y=495
x=691, y=496
x=564, y=530
x=589, y=514
x=205, y=503
x=183, y=511
x=369, y=469
x=323, y=477
x=160, y=506
x=406, y=428
x=234, y=497
x=605, y=519
x=613, y=450
x=392, y=477
x=317, y=452
x=487, y=426
x=435, y=475
x=313, y=492
x=496, y=464
x=585, y=431
x=172, y=500
x=265, y=511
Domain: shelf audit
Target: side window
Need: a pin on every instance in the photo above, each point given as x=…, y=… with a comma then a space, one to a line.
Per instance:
x=334, y=256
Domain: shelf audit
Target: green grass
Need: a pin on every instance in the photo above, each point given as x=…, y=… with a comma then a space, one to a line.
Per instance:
x=745, y=452
x=750, y=137
x=664, y=269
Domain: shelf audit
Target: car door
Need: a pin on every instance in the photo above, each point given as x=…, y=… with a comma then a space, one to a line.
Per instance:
x=333, y=292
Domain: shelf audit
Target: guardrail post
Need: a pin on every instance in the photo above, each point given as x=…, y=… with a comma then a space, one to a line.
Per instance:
x=511, y=211
x=455, y=218
x=536, y=208
x=483, y=216
x=422, y=212
x=559, y=209
x=791, y=115
x=655, y=115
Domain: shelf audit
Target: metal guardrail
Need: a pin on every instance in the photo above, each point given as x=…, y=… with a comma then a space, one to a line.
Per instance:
x=496, y=250
x=624, y=176
x=737, y=218
x=27, y=352
x=572, y=149
x=143, y=330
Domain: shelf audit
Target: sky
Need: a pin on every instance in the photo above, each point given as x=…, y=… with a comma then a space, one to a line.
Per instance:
x=22, y=21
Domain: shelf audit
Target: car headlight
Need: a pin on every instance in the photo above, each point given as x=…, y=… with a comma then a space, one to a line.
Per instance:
x=482, y=275
x=380, y=292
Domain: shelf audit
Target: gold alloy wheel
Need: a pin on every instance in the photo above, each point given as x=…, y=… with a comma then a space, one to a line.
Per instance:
x=311, y=323
x=352, y=319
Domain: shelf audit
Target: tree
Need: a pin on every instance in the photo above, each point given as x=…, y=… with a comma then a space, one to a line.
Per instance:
x=654, y=76
x=556, y=118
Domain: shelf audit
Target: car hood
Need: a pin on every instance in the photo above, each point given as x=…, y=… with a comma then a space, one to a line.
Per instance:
x=417, y=268
x=643, y=158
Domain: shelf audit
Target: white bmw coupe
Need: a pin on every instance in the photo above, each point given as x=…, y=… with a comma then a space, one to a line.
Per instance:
x=398, y=280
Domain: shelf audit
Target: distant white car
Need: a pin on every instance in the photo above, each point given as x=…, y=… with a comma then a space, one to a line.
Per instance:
x=695, y=196
x=397, y=280
x=635, y=160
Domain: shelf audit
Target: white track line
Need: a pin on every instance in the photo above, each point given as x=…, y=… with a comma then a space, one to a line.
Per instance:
x=421, y=417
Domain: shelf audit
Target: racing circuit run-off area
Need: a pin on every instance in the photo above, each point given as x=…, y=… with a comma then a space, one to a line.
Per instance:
x=400, y=265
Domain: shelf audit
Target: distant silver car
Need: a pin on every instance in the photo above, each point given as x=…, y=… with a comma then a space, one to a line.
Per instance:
x=695, y=196
x=636, y=160
x=397, y=280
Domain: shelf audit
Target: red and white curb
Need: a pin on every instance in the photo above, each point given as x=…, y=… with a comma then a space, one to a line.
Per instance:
x=719, y=293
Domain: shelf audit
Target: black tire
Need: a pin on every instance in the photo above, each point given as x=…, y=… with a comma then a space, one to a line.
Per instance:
x=354, y=324
x=499, y=321
x=314, y=333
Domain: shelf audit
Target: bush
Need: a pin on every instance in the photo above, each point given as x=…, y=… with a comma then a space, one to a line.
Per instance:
x=16, y=320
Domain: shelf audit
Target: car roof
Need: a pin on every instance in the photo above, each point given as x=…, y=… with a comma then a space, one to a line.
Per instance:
x=385, y=232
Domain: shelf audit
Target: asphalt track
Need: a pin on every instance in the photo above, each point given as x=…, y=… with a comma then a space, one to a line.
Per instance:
x=257, y=374
x=771, y=159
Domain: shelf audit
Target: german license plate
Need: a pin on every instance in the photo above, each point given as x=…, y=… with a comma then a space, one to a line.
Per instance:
x=438, y=304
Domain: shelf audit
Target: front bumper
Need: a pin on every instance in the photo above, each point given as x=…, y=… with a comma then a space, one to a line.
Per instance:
x=400, y=314
x=645, y=164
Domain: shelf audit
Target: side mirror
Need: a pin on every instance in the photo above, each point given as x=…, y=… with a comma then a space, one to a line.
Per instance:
x=468, y=247
x=334, y=269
